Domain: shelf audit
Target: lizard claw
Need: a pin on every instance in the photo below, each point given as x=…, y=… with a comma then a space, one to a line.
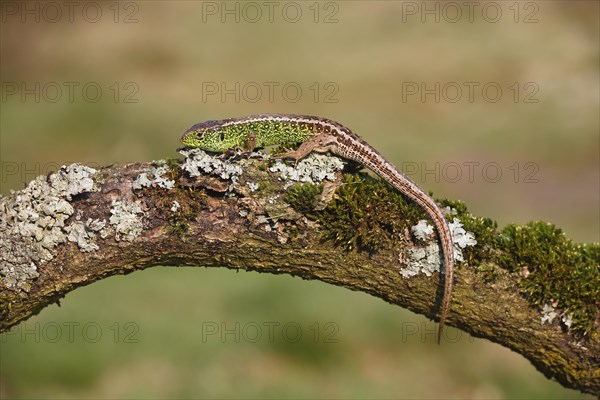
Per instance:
x=286, y=155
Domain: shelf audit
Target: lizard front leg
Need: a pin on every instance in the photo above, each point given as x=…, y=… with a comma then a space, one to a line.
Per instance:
x=245, y=149
x=251, y=142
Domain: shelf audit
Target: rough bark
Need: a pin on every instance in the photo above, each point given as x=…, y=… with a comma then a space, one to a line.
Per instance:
x=211, y=228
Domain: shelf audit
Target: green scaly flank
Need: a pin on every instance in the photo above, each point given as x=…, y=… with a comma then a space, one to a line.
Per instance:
x=220, y=138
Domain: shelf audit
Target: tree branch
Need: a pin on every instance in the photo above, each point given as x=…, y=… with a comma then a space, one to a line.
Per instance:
x=78, y=226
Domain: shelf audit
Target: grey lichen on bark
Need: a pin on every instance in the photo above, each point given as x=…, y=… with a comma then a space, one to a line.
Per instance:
x=80, y=225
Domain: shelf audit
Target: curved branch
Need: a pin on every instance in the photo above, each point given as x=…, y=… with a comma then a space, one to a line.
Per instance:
x=78, y=226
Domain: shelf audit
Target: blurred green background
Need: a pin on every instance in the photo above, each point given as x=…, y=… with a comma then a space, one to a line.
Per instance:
x=162, y=66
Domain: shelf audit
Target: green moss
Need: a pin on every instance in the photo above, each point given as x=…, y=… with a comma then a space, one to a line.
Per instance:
x=178, y=226
x=559, y=271
x=304, y=197
x=5, y=306
x=266, y=187
x=171, y=162
x=174, y=165
x=489, y=272
x=485, y=231
x=263, y=167
x=367, y=215
x=292, y=231
x=189, y=206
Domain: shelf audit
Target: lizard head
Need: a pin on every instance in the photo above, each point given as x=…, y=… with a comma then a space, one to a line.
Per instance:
x=208, y=135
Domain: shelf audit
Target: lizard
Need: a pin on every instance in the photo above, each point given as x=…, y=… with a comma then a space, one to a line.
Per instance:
x=322, y=135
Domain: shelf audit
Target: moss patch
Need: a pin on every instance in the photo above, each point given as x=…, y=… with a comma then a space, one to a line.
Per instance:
x=189, y=206
x=558, y=271
x=5, y=306
x=304, y=197
x=367, y=215
x=551, y=269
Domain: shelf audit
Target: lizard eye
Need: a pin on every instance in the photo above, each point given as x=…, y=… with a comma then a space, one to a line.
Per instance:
x=202, y=127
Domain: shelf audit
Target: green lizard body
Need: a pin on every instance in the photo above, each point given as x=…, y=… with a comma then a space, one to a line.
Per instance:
x=219, y=136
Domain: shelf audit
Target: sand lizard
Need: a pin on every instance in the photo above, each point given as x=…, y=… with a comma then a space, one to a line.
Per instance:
x=321, y=135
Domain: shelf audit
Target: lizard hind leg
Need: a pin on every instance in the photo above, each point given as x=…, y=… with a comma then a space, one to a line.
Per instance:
x=316, y=143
